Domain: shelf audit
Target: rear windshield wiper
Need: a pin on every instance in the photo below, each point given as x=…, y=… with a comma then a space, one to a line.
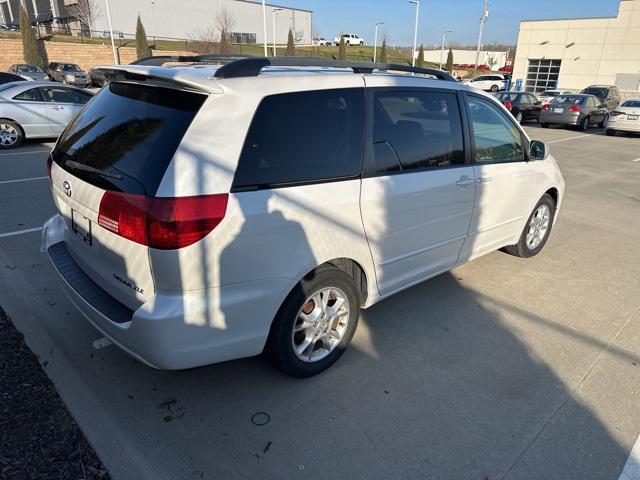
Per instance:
x=87, y=168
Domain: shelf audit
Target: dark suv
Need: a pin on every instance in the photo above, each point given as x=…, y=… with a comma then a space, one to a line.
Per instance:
x=609, y=95
x=68, y=73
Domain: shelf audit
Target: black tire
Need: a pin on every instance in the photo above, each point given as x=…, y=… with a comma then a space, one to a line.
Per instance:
x=521, y=249
x=584, y=125
x=18, y=131
x=611, y=133
x=603, y=122
x=494, y=88
x=279, y=346
x=544, y=125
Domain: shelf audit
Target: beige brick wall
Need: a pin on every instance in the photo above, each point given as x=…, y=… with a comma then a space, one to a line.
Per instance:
x=87, y=56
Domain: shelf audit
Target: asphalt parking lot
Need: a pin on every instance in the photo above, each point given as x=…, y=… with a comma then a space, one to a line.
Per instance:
x=505, y=368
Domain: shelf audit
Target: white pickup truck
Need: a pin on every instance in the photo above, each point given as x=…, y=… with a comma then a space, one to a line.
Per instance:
x=349, y=39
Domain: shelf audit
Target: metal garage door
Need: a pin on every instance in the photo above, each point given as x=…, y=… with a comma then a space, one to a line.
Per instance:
x=542, y=75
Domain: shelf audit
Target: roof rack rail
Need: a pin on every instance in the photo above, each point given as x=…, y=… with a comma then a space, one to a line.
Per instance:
x=236, y=66
x=251, y=66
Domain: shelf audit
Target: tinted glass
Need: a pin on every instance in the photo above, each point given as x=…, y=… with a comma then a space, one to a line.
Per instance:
x=71, y=68
x=568, y=100
x=303, y=137
x=423, y=128
x=28, y=69
x=597, y=91
x=496, y=138
x=65, y=95
x=131, y=131
x=509, y=97
x=32, y=95
x=631, y=103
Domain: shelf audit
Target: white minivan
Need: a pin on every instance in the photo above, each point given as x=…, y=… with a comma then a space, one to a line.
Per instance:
x=207, y=213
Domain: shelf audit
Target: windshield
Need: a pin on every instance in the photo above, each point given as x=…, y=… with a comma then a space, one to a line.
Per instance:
x=128, y=130
x=29, y=69
x=569, y=99
x=598, y=92
x=71, y=68
x=631, y=103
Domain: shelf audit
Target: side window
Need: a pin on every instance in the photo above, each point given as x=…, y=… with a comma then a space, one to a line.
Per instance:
x=304, y=137
x=424, y=130
x=32, y=95
x=496, y=138
x=62, y=95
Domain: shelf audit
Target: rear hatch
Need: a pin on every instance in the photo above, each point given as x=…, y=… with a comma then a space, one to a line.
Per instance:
x=112, y=156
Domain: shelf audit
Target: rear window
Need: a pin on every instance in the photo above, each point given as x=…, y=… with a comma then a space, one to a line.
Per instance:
x=130, y=132
x=631, y=103
x=598, y=92
x=303, y=137
x=569, y=99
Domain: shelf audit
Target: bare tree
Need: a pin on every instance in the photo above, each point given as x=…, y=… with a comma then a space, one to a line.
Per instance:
x=204, y=40
x=225, y=20
x=492, y=61
x=85, y=11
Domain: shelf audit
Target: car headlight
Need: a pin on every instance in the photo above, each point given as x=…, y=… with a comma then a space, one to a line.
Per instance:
x=70, y=78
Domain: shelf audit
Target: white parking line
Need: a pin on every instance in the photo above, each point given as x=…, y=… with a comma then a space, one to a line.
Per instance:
x=574, y=138
x=22, y=180
x=631, y=470
x=636, y=160
x=31, y=152
x=20, y=232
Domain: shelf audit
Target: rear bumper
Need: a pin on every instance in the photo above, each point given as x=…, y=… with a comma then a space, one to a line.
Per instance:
x=173, y=330
x=623, y=125
x=560, y=119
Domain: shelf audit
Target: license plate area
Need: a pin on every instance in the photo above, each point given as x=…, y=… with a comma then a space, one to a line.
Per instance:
x=558, y=110
x=632, y=117
x=81, y=226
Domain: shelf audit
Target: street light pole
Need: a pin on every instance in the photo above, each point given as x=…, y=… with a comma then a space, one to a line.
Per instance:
x=273, y=18
x=485, y=15
x=264, y=26
x=444, y=36
x=113, y=44
x=375, y=42
x=415, y=30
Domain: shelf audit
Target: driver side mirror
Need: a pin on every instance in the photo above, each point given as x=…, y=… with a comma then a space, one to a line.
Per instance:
x=538, y=150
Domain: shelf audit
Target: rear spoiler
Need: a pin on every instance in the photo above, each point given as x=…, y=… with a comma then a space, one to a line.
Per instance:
x=165, y=77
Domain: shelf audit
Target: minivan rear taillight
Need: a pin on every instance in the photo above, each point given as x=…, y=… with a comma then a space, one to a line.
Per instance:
x=162, y=223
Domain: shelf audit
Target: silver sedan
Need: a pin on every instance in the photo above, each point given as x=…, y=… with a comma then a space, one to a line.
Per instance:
x=37, y=110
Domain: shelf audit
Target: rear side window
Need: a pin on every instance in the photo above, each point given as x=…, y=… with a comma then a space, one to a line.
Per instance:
x=303, y=137
x=424, y=130
x=65, y=95
x=32, y=95
x=130, y=132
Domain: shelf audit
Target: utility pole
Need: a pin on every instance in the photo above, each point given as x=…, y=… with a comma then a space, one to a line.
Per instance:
x=274, y=12
x=113, y=44
x=264, y=27
x=375, y=42
x=415, y=30
x=483, y=19
x=444, y=36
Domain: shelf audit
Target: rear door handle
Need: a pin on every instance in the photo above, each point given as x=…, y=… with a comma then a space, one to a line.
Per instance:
x=465, y=181
x=485, y=179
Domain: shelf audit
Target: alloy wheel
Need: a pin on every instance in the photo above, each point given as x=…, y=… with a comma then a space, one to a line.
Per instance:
x=538, y=226
x=320, y=324
x=8, y=135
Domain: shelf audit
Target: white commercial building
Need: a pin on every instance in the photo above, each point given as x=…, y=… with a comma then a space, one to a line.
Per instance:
x=495, y=60
x=187, y=18
x=575, y=53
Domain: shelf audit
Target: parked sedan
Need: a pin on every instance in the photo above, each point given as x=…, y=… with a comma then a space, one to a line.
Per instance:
x=69, y=73
x=579, y=110
x=37, y=110
x=522, y=105
x=28, y=72
x=625, y=118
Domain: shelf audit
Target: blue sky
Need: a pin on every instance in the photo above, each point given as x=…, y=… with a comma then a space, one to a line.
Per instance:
x=462, y=16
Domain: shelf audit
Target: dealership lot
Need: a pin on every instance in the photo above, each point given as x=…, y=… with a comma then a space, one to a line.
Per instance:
x=503, y=368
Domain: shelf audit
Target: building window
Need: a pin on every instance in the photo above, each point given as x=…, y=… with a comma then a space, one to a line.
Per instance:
x=237, y=37
x=542, y=75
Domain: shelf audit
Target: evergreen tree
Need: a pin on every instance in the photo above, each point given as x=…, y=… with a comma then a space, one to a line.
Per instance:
x=30, y=49
x=342, y=50
x=449, y=66
x=384, y=55
x=420, y=59
x=224, y=46
x=291, y=48
x=142, y=46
